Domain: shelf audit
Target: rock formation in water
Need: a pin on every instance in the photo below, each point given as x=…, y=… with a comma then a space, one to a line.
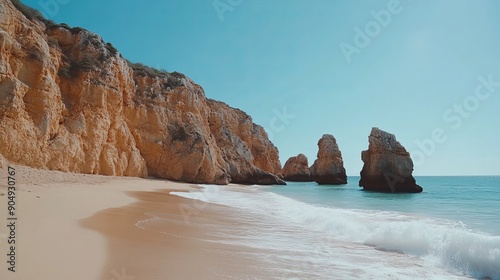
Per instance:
x=296, y=169
x=329, y=166
x=71, y=102
x=387, y=165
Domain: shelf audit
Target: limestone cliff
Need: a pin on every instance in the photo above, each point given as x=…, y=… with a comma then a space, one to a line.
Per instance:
x=328, y=168
x=387, y=165
x=248, y=154
x=296, y=169
x=71, y=102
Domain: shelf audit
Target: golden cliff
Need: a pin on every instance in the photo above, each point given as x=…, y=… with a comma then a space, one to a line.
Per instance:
x=71, y=102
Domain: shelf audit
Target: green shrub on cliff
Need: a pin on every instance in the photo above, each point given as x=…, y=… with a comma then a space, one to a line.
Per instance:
x=65, y=71
x=111, y=48
x=144, y=70
x=72, y=68
x=28, y=12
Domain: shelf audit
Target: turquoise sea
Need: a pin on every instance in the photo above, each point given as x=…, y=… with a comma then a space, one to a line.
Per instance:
x=449, y=231
x=474, y=201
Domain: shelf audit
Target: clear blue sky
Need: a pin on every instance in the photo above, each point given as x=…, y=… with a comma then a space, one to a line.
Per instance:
x=267, y=56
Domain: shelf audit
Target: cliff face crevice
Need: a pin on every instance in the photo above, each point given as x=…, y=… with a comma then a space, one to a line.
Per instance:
x=70, y=102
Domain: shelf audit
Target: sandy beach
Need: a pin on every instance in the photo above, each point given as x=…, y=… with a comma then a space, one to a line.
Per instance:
x=75, y=226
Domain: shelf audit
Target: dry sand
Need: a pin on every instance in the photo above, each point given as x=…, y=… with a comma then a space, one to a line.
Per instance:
x=74, y=226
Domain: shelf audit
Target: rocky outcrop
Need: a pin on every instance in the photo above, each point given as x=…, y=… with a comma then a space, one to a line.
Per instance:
x=70, y=102
x=172, y=132
x=296, y=169
x=248, y=155
x=328, y=168
x=387, y=165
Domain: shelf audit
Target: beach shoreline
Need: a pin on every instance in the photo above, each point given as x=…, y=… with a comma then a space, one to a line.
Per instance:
x=77, y=226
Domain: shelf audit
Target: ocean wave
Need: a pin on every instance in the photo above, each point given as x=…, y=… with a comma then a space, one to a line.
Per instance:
x=445, y=243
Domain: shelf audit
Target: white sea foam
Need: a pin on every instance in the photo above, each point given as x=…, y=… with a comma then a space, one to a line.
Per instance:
x=440, y=244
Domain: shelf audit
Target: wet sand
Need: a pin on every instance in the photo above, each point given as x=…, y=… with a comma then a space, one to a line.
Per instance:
x=74, y=226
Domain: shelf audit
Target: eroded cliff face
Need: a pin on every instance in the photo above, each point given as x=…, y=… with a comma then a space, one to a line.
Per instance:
x=248, y=154
x=171, y=131
x=70, y=102
x=69, y=124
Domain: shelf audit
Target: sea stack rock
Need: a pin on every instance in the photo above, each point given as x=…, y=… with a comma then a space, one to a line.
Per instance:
x=297, y=169
x=329, y=166
x=387, y=165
